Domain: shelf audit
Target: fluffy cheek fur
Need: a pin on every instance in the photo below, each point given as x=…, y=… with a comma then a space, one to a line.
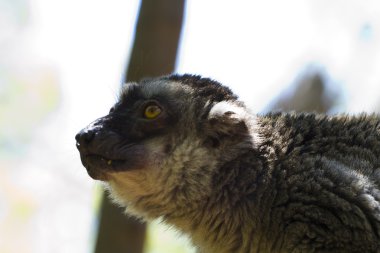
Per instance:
x=129, y=188
x=167, y=185
x=126, y=188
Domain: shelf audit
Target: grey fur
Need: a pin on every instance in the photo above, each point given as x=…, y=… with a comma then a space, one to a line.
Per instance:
x=238, y=182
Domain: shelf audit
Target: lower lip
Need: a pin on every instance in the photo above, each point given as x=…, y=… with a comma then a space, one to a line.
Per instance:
x=96, y=174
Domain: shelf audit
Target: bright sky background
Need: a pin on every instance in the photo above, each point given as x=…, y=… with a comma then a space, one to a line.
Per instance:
x=258, y=48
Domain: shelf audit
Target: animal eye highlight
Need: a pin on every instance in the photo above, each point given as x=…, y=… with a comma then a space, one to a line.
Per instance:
x=152, y=111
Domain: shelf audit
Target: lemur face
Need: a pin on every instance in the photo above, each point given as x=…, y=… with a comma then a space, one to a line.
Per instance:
x=160, y=141
x=123, y=140
x=143, y=123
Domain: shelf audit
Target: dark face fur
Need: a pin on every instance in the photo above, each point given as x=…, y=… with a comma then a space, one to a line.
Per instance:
x=159, y=138
x=116, y=142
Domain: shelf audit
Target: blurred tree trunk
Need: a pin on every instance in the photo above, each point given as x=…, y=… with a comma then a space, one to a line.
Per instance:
x=156, y=39
x=154, y=53
x=309, y=95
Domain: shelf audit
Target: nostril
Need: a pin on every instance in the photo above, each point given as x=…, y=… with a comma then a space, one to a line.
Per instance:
x=85, y=136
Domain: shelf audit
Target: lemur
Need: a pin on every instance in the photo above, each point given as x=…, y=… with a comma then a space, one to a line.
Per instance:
x=185, y=149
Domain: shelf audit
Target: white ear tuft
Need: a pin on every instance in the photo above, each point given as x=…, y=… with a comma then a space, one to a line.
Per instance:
x=225, y=120
x=230, y=109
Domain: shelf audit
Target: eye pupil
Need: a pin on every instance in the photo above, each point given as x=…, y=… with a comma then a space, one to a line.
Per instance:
x=152, y=111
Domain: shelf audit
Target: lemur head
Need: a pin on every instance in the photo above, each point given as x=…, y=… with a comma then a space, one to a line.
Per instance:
x=161, y=143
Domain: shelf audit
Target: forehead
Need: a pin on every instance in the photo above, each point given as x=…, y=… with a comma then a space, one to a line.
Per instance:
x=153, y=89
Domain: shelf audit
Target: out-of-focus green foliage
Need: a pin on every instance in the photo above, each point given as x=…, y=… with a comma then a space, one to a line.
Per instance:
x=163, y=239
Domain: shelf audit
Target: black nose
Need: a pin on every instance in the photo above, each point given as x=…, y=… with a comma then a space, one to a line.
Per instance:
x=84, y=137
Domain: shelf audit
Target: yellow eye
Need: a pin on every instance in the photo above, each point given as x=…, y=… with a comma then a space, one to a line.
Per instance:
x=152, y=111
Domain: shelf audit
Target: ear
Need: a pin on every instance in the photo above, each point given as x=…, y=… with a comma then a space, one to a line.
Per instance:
x=227, y=120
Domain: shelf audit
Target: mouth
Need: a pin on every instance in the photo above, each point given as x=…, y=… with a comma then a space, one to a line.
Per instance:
x=97, y=165
x=104, y=162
